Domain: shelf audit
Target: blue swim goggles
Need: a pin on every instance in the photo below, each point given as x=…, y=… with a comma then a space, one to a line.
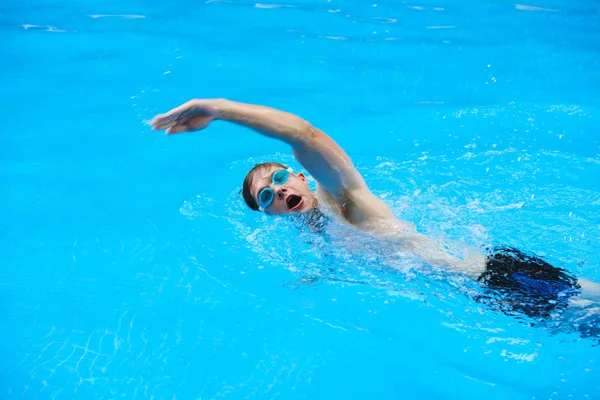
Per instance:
x=266, y=195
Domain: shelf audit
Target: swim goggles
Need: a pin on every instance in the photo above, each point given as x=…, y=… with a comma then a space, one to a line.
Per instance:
x=266, y=195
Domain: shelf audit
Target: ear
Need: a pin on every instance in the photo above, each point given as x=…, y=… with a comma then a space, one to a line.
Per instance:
x=302, y=177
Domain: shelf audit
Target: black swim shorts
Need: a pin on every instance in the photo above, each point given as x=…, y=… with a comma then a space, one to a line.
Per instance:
x=527, y=284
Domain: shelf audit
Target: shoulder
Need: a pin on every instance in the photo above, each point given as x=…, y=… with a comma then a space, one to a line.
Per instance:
x=357, y=206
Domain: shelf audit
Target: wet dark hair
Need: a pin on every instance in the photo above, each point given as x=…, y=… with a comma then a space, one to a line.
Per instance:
x=246, y=194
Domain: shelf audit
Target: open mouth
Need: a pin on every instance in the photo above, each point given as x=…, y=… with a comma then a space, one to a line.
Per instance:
x=293, y=201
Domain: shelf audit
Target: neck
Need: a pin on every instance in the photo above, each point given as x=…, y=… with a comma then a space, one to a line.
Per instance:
x=313, y=219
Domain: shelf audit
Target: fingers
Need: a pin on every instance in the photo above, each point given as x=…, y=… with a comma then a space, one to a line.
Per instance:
x=180, y=126
x=186, y=117
x=169, y=119
x=177, y=116
x=163, y=121
x=178, y=129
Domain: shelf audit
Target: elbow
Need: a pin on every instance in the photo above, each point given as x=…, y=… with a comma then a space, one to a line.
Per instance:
x=311, y=132
x=308, y=135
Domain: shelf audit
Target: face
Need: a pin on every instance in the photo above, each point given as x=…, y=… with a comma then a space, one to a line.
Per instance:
x=293, y=196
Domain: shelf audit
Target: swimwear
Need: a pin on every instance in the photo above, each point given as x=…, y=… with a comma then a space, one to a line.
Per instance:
x=527, y=284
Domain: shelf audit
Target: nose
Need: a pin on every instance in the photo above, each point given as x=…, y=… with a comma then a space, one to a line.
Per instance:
x=280, y=192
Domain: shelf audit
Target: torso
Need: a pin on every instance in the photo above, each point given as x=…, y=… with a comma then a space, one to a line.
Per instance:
x=366, y=212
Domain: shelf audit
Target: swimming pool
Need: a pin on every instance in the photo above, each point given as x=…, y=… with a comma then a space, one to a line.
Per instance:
x=131, y=268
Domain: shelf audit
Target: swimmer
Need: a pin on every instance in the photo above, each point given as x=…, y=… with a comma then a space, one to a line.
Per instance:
x=341, y=191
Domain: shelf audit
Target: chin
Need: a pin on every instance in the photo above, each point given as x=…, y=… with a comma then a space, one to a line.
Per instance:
x=306, y=207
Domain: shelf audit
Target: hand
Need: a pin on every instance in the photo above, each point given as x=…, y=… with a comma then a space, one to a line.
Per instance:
x=194, y=115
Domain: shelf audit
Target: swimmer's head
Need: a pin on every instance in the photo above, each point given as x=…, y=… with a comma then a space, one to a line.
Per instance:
x=273, y=188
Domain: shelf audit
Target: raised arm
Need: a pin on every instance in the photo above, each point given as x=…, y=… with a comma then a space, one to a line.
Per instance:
x=318, y=153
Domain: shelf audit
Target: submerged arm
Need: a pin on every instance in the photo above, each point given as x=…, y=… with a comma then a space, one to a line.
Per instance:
x=436, y=255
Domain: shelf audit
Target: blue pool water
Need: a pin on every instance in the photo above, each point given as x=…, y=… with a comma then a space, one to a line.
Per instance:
x=131, y=268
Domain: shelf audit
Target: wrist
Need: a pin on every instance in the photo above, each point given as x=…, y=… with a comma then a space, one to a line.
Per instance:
x=218, y=107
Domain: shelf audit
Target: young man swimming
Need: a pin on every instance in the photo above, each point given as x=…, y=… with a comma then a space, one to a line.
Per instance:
x=342, y=192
